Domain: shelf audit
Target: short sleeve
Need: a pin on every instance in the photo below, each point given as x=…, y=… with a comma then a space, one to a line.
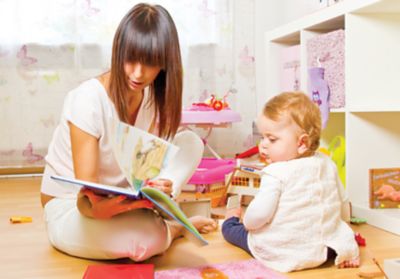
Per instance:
x=82, y=108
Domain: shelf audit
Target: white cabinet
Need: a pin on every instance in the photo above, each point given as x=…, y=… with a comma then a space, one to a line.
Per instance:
x=370, y=120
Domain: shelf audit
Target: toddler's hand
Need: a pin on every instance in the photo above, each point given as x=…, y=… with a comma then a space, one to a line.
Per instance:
x=164, y=185
x=234, y=212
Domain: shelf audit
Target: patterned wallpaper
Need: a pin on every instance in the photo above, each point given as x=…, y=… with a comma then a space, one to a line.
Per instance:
x=45, y=52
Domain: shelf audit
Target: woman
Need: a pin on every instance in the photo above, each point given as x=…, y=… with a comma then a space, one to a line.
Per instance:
x=143, y=88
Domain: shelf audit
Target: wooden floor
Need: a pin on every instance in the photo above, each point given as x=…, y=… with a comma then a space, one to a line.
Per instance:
x=26, y=253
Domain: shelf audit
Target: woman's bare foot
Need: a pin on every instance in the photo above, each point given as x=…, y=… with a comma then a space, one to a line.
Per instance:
x=204, y=224
x=350, y=263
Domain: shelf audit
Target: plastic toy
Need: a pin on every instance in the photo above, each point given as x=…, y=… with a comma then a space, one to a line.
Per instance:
x=357, y=221
x=213, y=103
x=337, y=151
x=360, y=240
x=209, y=178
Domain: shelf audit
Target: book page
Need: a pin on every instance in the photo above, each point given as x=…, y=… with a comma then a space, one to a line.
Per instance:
x=169, y=207
x=140, y=155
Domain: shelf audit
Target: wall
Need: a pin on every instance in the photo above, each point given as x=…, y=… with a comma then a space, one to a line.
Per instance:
x=44, y=53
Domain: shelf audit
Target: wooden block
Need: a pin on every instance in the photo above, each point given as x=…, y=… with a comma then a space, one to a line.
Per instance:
x=370, y=271
x=195, y=207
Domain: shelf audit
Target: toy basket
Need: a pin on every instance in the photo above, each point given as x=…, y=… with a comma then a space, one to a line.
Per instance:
x=209, y=178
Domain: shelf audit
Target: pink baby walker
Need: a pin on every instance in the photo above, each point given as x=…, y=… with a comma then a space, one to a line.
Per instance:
x=209, y=178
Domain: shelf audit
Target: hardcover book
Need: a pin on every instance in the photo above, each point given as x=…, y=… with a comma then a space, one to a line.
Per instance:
x=119, y=271
x=141, y=157
x=384, y=188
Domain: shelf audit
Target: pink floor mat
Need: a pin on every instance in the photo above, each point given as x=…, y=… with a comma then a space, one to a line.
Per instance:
x=250, y=269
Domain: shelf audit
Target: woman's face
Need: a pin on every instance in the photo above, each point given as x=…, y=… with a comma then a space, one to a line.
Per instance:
x=139, y=75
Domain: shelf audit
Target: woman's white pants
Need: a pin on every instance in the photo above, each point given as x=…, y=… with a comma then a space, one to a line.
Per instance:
x=139, y=234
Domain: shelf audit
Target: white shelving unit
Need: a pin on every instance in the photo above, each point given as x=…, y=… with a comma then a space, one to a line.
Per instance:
x=370, y=120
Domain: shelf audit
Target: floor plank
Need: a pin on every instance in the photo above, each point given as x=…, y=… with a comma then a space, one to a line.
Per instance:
x=26, y=253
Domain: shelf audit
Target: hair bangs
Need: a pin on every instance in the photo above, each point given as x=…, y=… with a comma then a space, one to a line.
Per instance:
x=145, y=48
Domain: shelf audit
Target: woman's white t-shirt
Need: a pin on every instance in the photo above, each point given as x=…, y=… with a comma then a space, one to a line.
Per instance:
x=90, y=109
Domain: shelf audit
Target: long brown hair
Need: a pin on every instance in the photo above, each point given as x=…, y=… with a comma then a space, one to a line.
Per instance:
x=147, y=34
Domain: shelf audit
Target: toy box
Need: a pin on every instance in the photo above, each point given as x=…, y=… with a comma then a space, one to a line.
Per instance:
x=384, y=187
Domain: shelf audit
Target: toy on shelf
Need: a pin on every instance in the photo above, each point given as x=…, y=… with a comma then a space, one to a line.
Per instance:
x=337, y=152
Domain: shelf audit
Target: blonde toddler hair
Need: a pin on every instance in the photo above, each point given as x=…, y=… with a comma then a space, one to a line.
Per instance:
x=299, y=107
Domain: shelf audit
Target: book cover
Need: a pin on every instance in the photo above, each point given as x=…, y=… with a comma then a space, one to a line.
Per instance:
x=141, y=156
x=384, y=186
x=119, y=271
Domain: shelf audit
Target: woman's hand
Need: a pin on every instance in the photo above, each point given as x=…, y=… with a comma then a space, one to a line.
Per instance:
x=104, y=207
x=164, y=185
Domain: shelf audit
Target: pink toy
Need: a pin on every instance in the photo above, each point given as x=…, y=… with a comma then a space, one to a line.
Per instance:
x=209, y=116
x=212, y=170
x=212, y=111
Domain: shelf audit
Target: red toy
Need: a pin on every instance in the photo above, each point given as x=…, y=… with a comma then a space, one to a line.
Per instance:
x=213, y=103
x=360, y=240
x=248, y=153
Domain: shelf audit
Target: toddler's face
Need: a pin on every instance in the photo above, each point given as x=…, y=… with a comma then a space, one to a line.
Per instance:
x=280, y=139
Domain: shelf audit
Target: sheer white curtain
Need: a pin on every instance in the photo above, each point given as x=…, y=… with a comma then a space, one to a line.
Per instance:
x=47, y=47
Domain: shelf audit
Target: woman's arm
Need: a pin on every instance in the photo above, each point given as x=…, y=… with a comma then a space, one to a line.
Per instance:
x=85, y=156
x=262, y=208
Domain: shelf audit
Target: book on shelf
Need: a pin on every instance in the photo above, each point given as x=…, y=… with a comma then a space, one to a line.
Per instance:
x=141, y=157
x=384, y=188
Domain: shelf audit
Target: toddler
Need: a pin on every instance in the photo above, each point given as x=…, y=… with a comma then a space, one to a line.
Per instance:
x=295, y=218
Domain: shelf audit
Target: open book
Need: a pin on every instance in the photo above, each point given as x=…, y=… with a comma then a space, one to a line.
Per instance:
x=141, y=157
